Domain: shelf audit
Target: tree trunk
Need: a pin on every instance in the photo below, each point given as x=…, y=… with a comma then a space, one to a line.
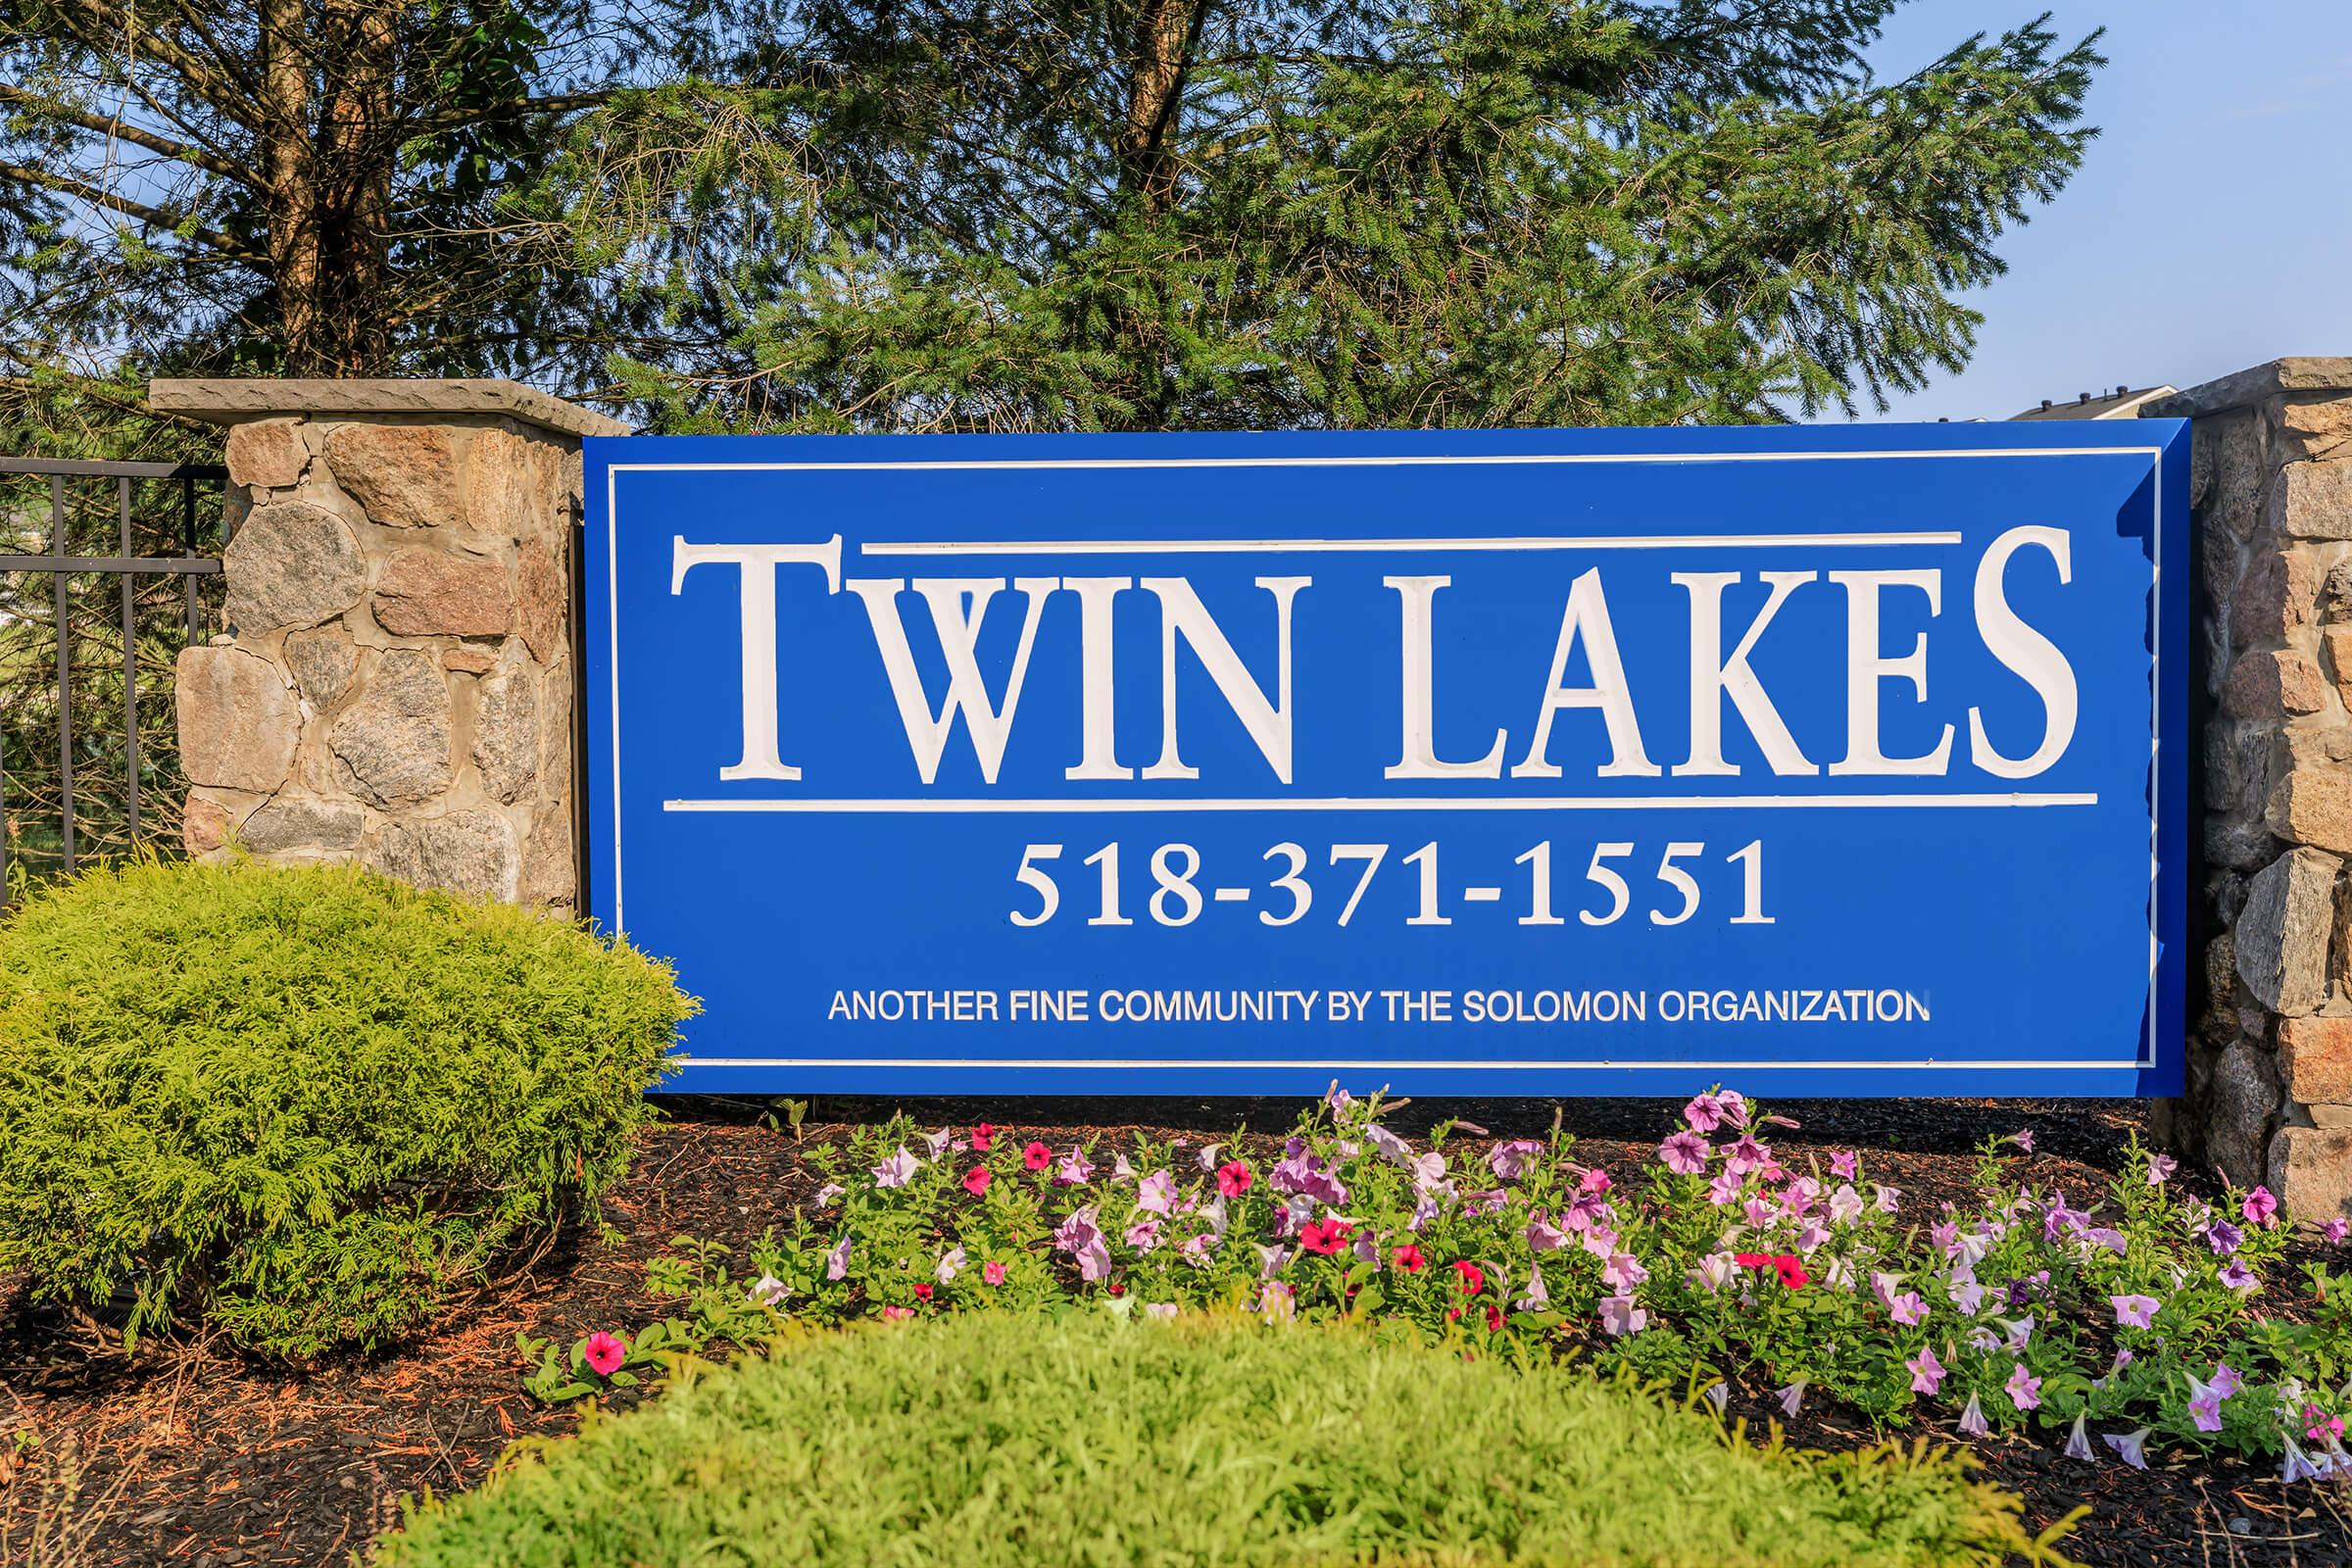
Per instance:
x=1164, y=31
x=359, y=142
x=292, y=196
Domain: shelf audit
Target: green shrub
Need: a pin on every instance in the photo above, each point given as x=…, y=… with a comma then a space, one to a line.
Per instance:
x=1008, y=1438
x=305, y=1106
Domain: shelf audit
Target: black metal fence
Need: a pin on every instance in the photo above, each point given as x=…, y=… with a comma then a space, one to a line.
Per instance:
x=106, y=572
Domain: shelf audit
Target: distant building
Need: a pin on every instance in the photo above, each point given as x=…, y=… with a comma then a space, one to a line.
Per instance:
x=2121, y=404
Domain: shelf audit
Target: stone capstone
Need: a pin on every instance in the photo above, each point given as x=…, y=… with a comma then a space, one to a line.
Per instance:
x=403, y=474
x=238, y=723
x=470, y=853
x=266, y=453
x=2281, y=939
x=2240, y=1102
x=394, y=739
x=424, y=592
x=506, y=730
x=293, y=825
x=291, y=564
x=321, y=661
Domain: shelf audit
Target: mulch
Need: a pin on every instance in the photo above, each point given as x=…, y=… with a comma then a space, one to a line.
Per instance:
x=196, y=1455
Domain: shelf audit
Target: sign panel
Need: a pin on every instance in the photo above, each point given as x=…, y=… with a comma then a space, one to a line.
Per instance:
x=1811, y=760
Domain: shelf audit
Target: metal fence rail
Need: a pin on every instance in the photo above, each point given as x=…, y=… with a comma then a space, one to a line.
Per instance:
x=117, y=532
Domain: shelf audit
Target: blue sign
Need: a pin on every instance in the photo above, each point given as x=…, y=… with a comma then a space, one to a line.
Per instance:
x=1808, y=760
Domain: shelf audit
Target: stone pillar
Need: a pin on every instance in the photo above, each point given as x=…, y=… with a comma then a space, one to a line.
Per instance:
x=396, y=685
x=2269, y=1060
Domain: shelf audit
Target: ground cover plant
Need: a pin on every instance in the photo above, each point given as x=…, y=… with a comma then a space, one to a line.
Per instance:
x=2130, y=1321
x=303, y=1106
x=1093, y=1438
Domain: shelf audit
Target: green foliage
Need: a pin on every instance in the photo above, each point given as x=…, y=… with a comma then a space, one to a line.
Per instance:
x=1019, y=1440
x=2150, y=1312
x=305, y=1106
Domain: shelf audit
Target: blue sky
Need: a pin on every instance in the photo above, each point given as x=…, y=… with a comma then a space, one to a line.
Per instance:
x=2210, y=227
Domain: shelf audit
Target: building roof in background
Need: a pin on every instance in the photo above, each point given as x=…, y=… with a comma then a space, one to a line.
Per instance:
x=2121, y=404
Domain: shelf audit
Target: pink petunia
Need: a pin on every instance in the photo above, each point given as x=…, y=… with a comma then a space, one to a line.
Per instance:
x=897, y=1170
x=1623, y=1271
x=992, y=1272
x=2133, y=1311
x=1155, y=1193
x=1511, y=1160
x=2226, y=1380
x=837, y=1261
x=1075, y=1168
x=2335, y=1230
x=1910, y=1308
x=1844, y=1164
x=1704, y=1113
x=2204, y=1404
x=1621, y=1317
x=1685, y=1153
x=2023, y=1388
x=2260, y=1209
x=897, y=1314
x=604, y=1353
x=1972, y=1418
x=1926, y=1373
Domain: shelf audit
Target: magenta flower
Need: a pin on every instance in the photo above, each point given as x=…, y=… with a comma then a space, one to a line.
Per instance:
x=1926, y=1373
x=2132, y=1445
x=2133, y=1311
x=2023, y=1388
x=1844, y=1164
x=1233, y=1179
x=2259, y=1207
x=897, y=1170
x=1620, y=1316
x=2335, y=1230
x=897, y=1314
x=992, y=1272
x=976, y=1180
x=1510, y=1160
x=1704, y=1113
x=604, y=1353
x=1685, y=1153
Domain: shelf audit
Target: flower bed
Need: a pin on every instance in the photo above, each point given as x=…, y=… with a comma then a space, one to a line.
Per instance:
x=2129, y=1321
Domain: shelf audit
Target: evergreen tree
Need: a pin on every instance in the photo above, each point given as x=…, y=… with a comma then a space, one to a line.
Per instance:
x=1049, y=214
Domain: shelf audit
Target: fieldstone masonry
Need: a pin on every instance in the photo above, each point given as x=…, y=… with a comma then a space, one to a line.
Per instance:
x=2269, y=1057
x=395, y=686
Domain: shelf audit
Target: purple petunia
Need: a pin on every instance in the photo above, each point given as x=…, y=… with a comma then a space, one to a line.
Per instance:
x=898, y=1170
x=2132, y=1445
x=1684, y=1153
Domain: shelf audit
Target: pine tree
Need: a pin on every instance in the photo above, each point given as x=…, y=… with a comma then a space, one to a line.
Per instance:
x=914, y=215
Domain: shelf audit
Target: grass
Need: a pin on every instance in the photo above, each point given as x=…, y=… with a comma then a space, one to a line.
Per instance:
x=987, y=1439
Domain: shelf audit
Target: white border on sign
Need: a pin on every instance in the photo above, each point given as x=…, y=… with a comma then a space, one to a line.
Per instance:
x=2155, y=454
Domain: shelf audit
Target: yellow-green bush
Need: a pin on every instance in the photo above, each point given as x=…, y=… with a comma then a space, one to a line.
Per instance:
x=1010, y=1441
x=303, y=1106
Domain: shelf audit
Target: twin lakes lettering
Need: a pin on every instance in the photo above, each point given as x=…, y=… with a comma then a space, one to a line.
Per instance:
x=957, y=607
x=1543, y=762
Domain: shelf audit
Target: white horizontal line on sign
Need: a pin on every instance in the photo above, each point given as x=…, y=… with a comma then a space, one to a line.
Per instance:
x=1392, y=460
x=1326, y=1064
x=1235, y=547
x=1497, y=803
